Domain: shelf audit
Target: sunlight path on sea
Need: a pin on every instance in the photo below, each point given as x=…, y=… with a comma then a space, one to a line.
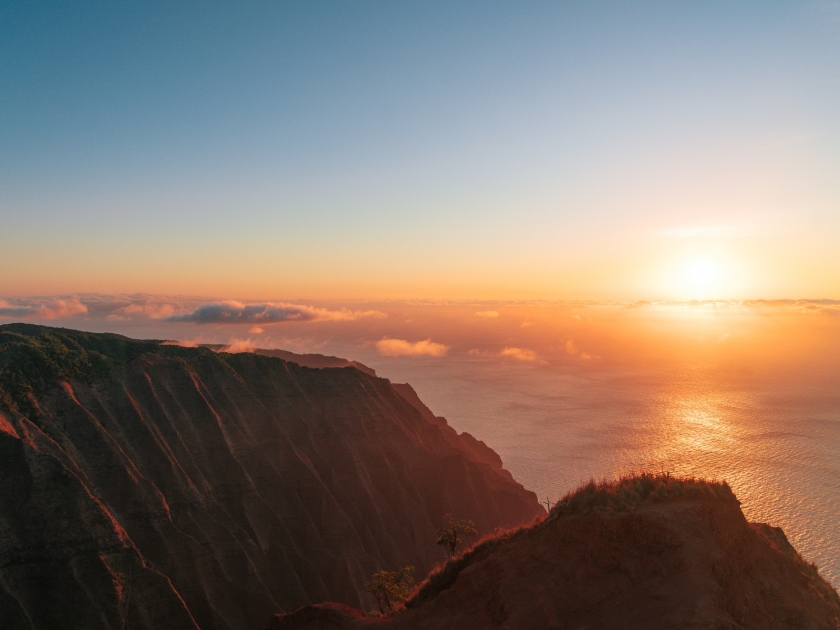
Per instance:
x=775, y=439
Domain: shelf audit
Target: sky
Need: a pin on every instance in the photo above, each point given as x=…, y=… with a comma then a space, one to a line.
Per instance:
x=290, y=152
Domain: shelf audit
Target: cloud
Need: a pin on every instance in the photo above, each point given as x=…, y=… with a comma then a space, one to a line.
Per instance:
x=239, y=345
x=403, y=348
x=487, y=314
x=256, y=330
x=266, y=313
x=570, y=346
x=520, y=354
x=10, y=310
x=150, y=309
x=49, y=309
x=824, y=310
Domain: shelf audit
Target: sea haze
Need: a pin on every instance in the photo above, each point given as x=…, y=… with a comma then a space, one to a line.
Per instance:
x=747, y=392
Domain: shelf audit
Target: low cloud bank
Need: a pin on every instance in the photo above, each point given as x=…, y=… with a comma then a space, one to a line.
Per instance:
x=142, y=309
x=266, y=313
x=403, y=348
x=49, y=309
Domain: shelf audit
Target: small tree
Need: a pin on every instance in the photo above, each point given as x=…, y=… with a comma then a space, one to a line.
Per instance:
x=390, y=588
x=451, y=536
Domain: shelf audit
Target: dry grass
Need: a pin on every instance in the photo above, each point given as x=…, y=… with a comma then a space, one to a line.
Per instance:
x=443, y=576
x=622, y=495
x=629, y=491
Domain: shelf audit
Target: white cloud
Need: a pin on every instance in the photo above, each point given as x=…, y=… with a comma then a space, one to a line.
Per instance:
x=50, y=308
x=520, y=354
x=239, y=345
x=401, y=347
x=152, y=310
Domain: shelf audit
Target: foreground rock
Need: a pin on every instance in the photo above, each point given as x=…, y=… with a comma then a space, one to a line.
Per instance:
x=152, y=486
x=646, y=553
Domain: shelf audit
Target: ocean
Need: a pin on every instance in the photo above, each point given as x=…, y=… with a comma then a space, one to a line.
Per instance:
x=768, y=422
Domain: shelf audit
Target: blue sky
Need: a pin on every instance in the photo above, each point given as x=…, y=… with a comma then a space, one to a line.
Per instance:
x=272, y=150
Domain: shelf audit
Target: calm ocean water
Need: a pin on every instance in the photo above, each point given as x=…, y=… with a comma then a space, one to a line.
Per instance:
x=774, y=437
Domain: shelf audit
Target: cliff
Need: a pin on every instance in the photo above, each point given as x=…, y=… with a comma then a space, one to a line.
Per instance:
x=307, y=360
x=477, y=449
x=145, y=485
x=646, y=552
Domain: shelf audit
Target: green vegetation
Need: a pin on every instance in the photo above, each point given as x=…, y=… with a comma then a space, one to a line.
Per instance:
x=34, y=359
x=390, y=588
x=451, y=536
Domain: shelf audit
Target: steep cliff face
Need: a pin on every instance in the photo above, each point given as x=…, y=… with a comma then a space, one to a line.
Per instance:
x=478, y=450
x=151, y=486
x=645, y=553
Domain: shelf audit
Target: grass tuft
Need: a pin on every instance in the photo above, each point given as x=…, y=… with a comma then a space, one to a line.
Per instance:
x=629, y=491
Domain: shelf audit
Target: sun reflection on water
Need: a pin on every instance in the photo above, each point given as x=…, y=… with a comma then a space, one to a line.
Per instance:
x=744, y=393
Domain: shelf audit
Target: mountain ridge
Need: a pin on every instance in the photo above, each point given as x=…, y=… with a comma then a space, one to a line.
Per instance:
x=212, y=490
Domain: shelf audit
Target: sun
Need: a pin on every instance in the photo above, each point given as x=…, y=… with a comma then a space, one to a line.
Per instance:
x=702, y=273
x=701, y=278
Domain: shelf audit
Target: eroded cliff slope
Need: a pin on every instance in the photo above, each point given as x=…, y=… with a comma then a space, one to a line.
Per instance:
x=152, y=486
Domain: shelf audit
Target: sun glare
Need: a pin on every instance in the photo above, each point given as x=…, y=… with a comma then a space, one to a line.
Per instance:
x=701, y=278
x=703, y=273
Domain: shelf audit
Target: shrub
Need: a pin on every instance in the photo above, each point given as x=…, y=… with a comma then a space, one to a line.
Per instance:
x=451, y=536
x=390, y=588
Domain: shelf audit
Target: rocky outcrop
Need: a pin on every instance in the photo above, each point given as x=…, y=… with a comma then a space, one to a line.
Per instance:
x=477, y=449
x=152, y=486
x=647, y=553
